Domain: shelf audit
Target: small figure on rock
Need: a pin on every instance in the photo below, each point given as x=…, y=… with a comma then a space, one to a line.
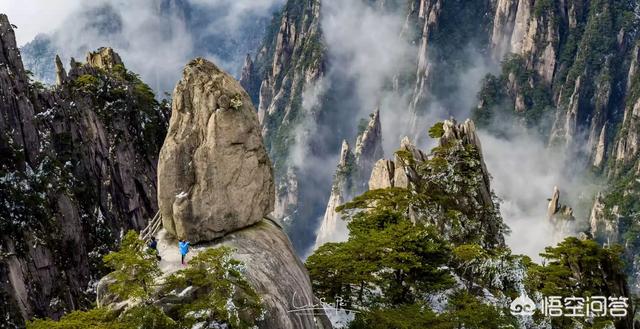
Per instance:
x=184, y=249
x=153, y=247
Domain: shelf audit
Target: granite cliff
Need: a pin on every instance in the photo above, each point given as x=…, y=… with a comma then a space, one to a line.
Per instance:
x=78, y=165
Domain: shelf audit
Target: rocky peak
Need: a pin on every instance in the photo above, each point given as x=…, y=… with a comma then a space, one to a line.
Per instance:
x=345, y=153
x=9, y=52
x=16, y=104
x=104, y=58
x=369, y=144
x=290, y=61
x=601, y=228
x=557, y=211
x=214, y=175
x=61, y=73
x=351, y=178
x=520, y=28
x=382, y=175
x=248, y=79
x=466, y=132
x=83, y=163
x=247, y=68
x=368, y=149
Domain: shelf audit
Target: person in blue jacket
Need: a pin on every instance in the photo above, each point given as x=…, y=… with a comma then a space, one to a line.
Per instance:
x=184, y=248
x=153, y=247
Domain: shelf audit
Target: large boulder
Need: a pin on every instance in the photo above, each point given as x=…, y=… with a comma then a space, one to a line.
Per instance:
x=214, y=175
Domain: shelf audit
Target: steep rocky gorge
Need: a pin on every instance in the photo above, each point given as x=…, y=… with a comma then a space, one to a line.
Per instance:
x=306, y=99
x=570, y=74
x=78, y=165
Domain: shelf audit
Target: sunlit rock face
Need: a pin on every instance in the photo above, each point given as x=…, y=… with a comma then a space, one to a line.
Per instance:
x=216, y=187
x=214, y=173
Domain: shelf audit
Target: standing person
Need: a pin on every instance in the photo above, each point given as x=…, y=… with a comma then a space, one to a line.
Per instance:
x=184, y=249
x=153, y=247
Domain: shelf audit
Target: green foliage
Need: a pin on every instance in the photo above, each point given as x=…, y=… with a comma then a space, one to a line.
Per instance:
x=404, y=243
x=469, y=252
x=437, y=130
x=87, y=83
x=147, y=317
x=466, y=311
x=26, y=206
x=413, y=316
x=543, y=7
x=362, y=126
x=137, y=317
x=125, y=105
x=98, y=318
x=387, y=259
x=218, y=279
x=497, y=98
x=236, y=102
x=578, y=268
x=221, y=295
x=135, y=270
x=463, y=311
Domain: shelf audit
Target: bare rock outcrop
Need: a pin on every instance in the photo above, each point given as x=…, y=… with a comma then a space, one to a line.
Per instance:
x=214, y=175
x=333, y=228
x=216, y=187
x=369, y=147
x=351, y=179
x=557, y=212
x=382, y=175
x=104, y=58
x=87, y=168
x=602, y=228
x=276, y=273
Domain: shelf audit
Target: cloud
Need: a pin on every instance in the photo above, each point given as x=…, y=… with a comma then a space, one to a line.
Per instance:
x=524, y=174
x=365, y=46
x=155, y=38
x=236, y=12
x=36, y=16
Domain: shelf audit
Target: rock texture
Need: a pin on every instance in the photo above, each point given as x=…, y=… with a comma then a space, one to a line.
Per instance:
x=333, y=228
x=557, y=212
x=466, y=132
x=404, y=173
x=275, y=272
x=395, y=173
x=604, y=228
x=350, y=180
x=214, y=175
x=75, y=170
x=216, y=186
x=104, y=58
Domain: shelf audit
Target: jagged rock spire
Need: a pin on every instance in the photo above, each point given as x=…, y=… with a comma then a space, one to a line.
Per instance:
x=368, y=149
x=352, y=177
x=247, y=70
x=555, y=210
x=9, y=52
x=61, y=73
x=104, y=58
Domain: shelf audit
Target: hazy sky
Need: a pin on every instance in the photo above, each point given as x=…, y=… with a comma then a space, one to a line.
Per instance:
x=36, y=16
